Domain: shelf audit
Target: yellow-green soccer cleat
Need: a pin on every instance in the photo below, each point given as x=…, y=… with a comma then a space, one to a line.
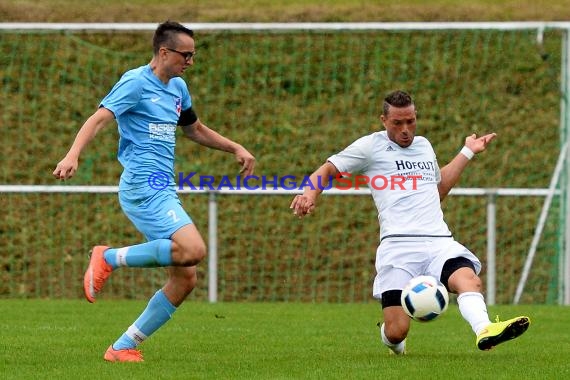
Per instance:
x=499, y=332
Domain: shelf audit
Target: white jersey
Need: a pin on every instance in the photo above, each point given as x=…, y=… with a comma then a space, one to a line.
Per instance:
x=403, y=182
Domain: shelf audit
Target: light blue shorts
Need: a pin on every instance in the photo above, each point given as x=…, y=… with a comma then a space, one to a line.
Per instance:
x=156, y=214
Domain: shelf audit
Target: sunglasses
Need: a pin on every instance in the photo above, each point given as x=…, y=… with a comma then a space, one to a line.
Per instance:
x=186, y=54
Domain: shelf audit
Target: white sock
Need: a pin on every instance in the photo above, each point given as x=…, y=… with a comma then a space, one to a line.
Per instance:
x=397, y=348
x=474, y=310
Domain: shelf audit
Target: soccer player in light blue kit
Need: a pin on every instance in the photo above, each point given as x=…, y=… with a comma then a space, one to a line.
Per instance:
x=149, y=102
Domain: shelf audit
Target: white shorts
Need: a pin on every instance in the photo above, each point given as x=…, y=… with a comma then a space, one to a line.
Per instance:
x=398, y=261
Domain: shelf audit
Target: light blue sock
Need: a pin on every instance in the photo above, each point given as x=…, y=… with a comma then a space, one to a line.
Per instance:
x=158, y=311
x=155, y=253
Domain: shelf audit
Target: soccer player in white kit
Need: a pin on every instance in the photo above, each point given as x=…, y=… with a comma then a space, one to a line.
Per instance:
x=407, y=186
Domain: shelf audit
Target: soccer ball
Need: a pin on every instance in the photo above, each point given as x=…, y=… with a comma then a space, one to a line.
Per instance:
x=424, y=299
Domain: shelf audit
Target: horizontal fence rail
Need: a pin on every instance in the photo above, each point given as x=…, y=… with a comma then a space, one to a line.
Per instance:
x=514, y=192
x=294, y=26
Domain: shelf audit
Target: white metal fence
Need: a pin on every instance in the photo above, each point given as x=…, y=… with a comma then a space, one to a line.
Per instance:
x=491, y=225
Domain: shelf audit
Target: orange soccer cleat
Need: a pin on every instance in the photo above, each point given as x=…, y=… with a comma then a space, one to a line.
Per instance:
x=130, y=355
x=96, y=274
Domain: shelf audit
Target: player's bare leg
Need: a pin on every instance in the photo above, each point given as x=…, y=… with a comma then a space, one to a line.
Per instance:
x=394, y=330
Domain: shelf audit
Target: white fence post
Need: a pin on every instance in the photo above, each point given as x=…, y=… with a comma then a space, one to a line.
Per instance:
x=491, y=246
x=212, y=248
x=564, y=273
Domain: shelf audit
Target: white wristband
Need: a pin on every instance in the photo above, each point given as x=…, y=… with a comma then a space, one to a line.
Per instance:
x=467, y=152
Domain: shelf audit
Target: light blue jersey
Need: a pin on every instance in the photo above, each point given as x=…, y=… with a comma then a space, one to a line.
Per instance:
x=147, y=113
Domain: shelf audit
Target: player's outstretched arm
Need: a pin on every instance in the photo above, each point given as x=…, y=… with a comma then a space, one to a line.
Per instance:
x=67, y=167
x=451, y=172
x=201, y=134
x=305, y=203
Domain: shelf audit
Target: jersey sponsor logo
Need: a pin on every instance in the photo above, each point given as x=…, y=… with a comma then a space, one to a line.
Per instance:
x=162, y=132
x=417, y=165
x=425, y=169
x=154, y=100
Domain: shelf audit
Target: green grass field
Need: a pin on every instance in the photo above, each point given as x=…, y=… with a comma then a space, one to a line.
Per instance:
x=66, y=339
x=47, y=339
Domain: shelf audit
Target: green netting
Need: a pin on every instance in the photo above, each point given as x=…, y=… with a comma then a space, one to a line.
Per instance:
x=293, y=99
